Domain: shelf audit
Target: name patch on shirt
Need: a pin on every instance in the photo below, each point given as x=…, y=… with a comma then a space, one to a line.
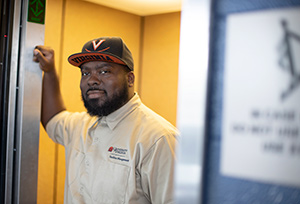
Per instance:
x=117, y=153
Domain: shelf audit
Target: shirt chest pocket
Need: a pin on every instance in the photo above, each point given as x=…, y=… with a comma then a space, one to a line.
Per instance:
x=110, y=183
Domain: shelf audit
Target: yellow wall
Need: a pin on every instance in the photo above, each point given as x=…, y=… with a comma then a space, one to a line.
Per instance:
x=48, y=150
x=69, y=24
x=159, y=67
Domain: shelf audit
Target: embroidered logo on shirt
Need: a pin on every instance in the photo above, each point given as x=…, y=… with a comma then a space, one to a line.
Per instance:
x=118, y=153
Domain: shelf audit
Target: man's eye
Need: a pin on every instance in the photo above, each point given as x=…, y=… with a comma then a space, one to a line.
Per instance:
x=104, y=72
x=85, y=73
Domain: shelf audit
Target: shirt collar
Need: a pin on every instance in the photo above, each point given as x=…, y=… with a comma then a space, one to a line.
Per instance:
x=113, y=119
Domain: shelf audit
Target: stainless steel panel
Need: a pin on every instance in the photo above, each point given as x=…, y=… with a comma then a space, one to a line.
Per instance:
x=25, y=97
x=29, y=103
x=193, y=73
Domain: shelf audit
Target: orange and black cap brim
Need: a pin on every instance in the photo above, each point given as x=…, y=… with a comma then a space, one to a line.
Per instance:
x=79, y=59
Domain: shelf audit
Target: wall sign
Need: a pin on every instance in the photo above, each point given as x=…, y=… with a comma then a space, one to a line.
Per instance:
x=261, y=117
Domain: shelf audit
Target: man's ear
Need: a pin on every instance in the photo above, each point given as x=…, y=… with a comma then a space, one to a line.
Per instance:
x=130, y=77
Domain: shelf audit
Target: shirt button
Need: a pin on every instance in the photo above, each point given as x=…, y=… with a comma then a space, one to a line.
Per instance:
x=96, y=140
x=87, y=162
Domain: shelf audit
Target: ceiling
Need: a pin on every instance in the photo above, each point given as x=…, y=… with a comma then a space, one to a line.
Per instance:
x=142, y=7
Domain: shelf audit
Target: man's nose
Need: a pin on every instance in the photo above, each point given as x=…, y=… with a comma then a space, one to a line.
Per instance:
x=94, y=79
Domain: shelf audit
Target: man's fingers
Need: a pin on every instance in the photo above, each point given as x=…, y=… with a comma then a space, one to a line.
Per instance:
x=45, y=56
x=39, y=57
x=36, y=55
x=43, y=51
x=42, y=54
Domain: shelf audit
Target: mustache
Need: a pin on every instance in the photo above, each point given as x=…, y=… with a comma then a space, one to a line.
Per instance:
x=94, y=88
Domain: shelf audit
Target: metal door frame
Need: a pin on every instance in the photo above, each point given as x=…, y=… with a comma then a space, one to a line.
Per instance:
x=24, y=109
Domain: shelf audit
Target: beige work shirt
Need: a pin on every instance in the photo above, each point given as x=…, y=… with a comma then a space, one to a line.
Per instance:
x=125, y=157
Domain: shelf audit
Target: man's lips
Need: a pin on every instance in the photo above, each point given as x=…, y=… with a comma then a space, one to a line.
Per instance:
x=95, y=93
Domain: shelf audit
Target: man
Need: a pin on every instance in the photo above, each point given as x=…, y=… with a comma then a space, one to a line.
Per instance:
x=120, y=151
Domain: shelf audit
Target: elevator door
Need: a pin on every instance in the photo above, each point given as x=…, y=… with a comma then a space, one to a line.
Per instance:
x=22, y=28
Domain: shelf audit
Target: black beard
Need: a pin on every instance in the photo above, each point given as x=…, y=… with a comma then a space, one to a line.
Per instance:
x=109, y=106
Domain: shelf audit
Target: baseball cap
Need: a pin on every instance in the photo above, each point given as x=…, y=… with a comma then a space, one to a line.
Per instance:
x=108, y=49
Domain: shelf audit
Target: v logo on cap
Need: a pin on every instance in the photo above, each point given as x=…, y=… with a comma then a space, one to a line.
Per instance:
x=98, y=44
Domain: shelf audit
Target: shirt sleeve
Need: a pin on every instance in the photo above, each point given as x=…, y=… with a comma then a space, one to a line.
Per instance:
x=157, y=172
x=64, y=125
x=55, y=127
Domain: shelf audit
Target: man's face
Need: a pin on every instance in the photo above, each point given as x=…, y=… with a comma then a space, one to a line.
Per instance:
x=104, y=87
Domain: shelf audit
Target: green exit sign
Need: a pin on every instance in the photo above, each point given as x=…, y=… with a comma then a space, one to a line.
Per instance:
x=36, y=11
